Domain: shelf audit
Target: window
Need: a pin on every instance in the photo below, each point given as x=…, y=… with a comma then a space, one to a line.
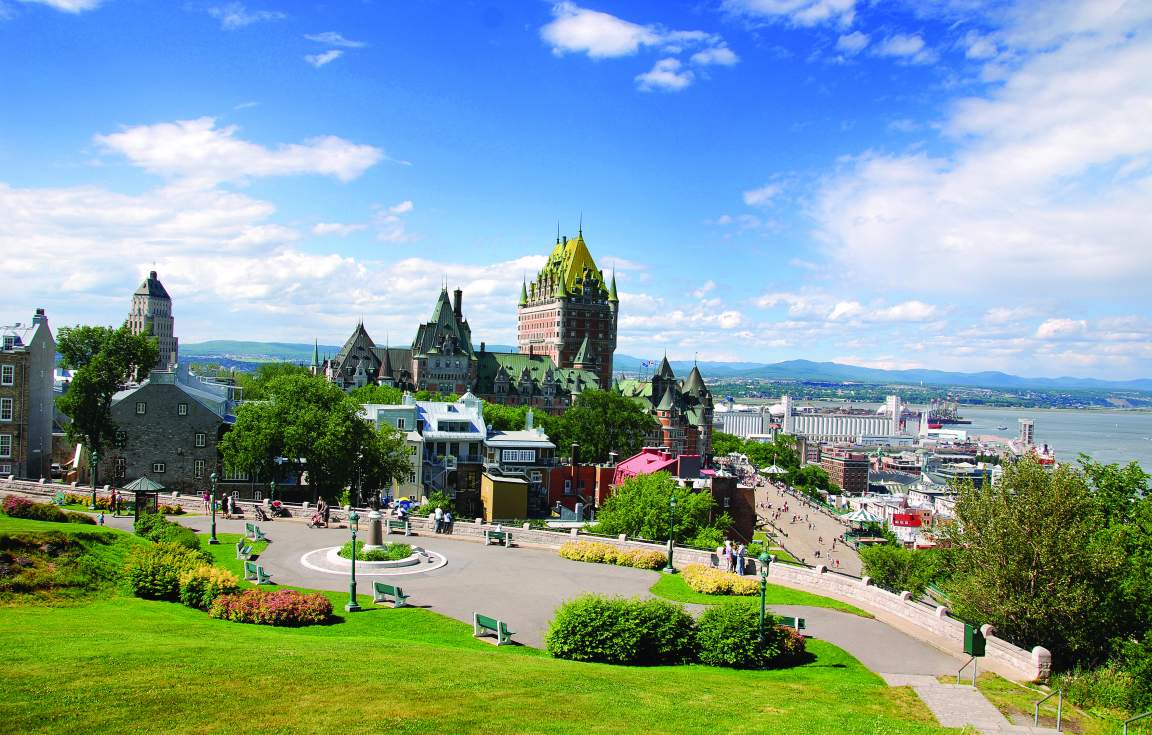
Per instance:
x=141, y=408
x=412, y=478
x=518, y=455
x=5, y=469
x=5, y=409
x=121, y=439
x=9, y=341
x=400, y=423
x=235, y=475
x=201, y=439
x=158, y=467
x=199, y=468
x=181, y=409
x=5, y=445
x=7, y=374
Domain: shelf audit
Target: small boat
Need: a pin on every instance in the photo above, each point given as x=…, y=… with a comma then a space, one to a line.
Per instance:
x=1001, y=428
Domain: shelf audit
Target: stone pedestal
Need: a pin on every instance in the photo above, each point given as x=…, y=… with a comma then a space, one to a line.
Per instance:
x=375, y=539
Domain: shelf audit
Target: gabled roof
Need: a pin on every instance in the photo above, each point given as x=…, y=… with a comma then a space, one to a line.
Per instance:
x=665, y=370
x=359, y=339
x=569, y=262
x=695, y=382
x=152, y=287
x=444, y=324
x=665, y=401
x=537, y=366
x=582, y=353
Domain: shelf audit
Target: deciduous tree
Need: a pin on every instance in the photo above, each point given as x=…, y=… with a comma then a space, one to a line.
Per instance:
x=640, y=507
x=601, y=422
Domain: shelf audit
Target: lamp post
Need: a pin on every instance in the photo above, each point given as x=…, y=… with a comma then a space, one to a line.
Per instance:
x=271, y=490
x=93, y=465
x=764, y=560
x=353, y=605
x=671, y=533
x=212, y=539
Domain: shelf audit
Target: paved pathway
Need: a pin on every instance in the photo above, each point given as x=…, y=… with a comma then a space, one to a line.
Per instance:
x=959, y=705
x=801, y=540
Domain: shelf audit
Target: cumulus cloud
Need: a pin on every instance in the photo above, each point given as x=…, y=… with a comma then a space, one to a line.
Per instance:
x=1061, y=328
x=667, y=75
x=321, y=59
x=763, y=196
x=200, y=153
x=796, y=12
x=235, y=15
x=852, y=43
x=67, y=6
x=332, y=38
x=908, y=47
x=338, y=229
x=721, y=55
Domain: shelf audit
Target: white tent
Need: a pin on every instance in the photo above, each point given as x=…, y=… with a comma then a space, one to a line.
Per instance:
x=861, y=516
x=773, y=470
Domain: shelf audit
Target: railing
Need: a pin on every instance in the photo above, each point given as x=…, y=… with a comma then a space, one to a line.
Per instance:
x=1135, y=719
x=971, y=661
x=1059, y=708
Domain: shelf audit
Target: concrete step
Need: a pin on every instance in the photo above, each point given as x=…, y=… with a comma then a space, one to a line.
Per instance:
x=961, y=706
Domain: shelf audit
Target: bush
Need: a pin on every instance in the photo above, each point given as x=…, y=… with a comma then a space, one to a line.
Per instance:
x=282, y=608
x=709, y=581
x=620, y=631
x=200, y=586
x=589, y=551
x=729, y=635
x=896, y=569
x=1108, y=687
x=79, y=518
x=18, y=507
x=641, y=559
x=153, y=572
x=390, y=552
x=158, y=529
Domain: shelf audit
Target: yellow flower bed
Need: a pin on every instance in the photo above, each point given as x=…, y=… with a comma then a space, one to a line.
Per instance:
x=601, y=553
x=710, y=581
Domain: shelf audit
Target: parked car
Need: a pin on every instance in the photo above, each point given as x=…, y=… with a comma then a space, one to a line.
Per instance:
x=57, y=471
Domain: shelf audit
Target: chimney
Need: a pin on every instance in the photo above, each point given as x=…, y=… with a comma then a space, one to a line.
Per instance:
x=575, y=460
x=612, y=457
x=39, y=318
x=457, y=298
x=152, y=275
x=482, y=350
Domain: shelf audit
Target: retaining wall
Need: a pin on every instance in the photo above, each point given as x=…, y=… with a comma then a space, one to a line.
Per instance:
x=933, y=625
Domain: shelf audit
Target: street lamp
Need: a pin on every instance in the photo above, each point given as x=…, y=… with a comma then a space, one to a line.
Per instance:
x=271, y=490
x=213, y=539
x=671, y=533
x=764, y=560
x=353, y=605
x=93, y=465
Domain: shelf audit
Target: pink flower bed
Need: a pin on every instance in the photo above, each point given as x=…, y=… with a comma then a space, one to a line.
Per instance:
x=282, y=607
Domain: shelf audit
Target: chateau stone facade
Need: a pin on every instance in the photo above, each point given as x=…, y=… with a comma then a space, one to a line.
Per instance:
x=683, y=408
x=27, y=360
x=151, y=314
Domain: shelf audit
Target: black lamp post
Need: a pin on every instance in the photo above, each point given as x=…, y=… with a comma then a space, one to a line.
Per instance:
x=764, y=560
x=94, y=466
x=212, y=539
x=353, y=605
x=671, y=533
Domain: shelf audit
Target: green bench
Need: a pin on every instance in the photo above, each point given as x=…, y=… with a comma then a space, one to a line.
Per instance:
x=252, y=531
x=790, y=622
x=483, y=625
x=395, y=524
x=381, y=591
x=58, y=498
x=255, y=572
x=243, y=551
x=500, y=537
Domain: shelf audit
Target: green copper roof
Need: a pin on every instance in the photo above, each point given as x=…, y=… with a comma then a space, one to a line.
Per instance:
x=612, y=297
x=315, y=353
x=582, y=353
x=665, y=370
x=523, y=293
x=666, y=401
x=515, y=363
x=695, y=382
x=569, y=264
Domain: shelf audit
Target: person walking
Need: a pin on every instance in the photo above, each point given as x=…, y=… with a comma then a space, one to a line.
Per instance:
x=207, y=499
x=438, y=516
x=448, y=522
x=741, y=551
x=324, y=510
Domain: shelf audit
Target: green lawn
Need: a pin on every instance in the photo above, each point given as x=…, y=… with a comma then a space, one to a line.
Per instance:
x=673, y=587
x=121, y=664
x=1017, y=701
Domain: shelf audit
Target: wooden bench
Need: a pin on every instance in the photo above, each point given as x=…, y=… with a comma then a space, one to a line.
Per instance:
x=252, y=531
x=255, y=572
x=790, y=622
x=381, y=591
x=483, y=625
x=500, y=537
x=395, y=524
x=243, y=551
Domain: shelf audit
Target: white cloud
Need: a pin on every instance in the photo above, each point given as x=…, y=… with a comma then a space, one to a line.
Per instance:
x=704, y=290
x=1008, y=315
x=667, y=75
x=235, y=15
x=391, y=225
x=319, y=60
x=68, y=6
x=721, y=55
x=763, y=196
x=852, y=43
x=403, y=207
x=904, y=125
x=1061, y=328
x=979, y=47
x=332, y=38
x=338, y=229
x=909, y=47
x=600, y=35
x=908, y=311
x=846, y=310
x=797, y=12
x=201, y=154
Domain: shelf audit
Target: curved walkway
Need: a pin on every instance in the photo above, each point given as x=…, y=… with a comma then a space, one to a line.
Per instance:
x=525, y=585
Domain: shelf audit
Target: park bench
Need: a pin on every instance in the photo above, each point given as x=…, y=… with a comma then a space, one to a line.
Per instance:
x=59, y=498
x=483, y=625
x=252, y=531
x=253, y=571
x=500, y=537
x=790, y=622
x=395, y=524
x=243, y=551
x=381, y=591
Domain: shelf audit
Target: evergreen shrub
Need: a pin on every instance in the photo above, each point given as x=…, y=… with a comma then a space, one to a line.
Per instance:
x=203, y=584
x=19, y=507
x=282, y=608
x=621, y=631
x=729, y=635
x=709, y=581
x=153, y=572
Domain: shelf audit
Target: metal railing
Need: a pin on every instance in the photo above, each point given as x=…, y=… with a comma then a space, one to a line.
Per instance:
x=1059, y=708
x=972, y=662
x=1137, y=718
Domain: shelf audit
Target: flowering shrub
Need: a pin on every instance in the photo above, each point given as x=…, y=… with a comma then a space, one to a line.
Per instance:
x=200, y=586
x=153, y=572
x=104, y=502
x=18, y=507
x=600, y=553
x=641, y=559
x=282, y=607
x=709, y=581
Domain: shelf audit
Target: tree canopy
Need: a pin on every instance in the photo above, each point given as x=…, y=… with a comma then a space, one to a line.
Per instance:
x=382, y=394
x=640, y=508
x=600, y=422
x=505, y=418
x=103, y=360
x=306, y=417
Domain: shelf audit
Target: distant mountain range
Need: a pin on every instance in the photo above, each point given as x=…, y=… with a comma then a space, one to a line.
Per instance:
x=245, y=355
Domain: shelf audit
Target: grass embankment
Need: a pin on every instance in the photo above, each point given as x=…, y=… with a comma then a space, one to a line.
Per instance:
x=673, y=587
x=1017, y=702
x=123, y=664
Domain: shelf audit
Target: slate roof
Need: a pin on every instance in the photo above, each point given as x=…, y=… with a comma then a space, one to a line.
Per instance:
x=568, y=380
x=152, y=287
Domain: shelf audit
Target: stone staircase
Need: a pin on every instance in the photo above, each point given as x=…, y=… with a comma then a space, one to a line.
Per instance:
x=960, y=705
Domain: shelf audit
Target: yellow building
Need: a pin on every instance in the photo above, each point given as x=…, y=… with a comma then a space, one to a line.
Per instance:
x=503, y=498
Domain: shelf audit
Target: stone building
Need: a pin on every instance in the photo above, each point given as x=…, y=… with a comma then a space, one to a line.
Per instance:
x=527, y=379
x=569, y=313
x=167, y=429
x=27, y=361
x=683, y=408
x=151, y=314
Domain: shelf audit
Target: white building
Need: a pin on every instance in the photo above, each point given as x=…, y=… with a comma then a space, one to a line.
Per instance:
x=840, y=427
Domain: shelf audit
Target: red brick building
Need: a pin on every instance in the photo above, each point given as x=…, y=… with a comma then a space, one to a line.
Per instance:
x=847, y=469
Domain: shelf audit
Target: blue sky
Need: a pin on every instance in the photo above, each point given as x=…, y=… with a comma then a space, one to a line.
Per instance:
x=952, y=184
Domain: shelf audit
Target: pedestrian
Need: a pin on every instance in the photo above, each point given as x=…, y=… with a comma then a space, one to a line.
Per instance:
x=837, y=563
x=100, y=518
x=438, y=518
x=741, y=551
x=729, y=561
x=325, y=511
x=719, y=556
x=448, y=521
x=207, y=499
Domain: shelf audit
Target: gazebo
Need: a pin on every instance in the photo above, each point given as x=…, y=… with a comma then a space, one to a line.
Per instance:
x=860, y=517
x=147, y=493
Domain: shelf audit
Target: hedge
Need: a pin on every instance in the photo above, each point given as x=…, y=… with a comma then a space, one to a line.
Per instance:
x=600, y=553
x=621, y=631
x=710, y=581
x=282, y=608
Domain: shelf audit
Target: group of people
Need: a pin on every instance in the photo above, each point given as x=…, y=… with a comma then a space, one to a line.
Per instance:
x=442, y=520
x=732, y=557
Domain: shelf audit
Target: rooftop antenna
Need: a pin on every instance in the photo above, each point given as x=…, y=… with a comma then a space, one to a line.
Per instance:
x=580, y=227
x=557, y=231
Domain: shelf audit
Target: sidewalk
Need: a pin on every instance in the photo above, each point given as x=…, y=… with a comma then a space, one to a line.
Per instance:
x=796, y=535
